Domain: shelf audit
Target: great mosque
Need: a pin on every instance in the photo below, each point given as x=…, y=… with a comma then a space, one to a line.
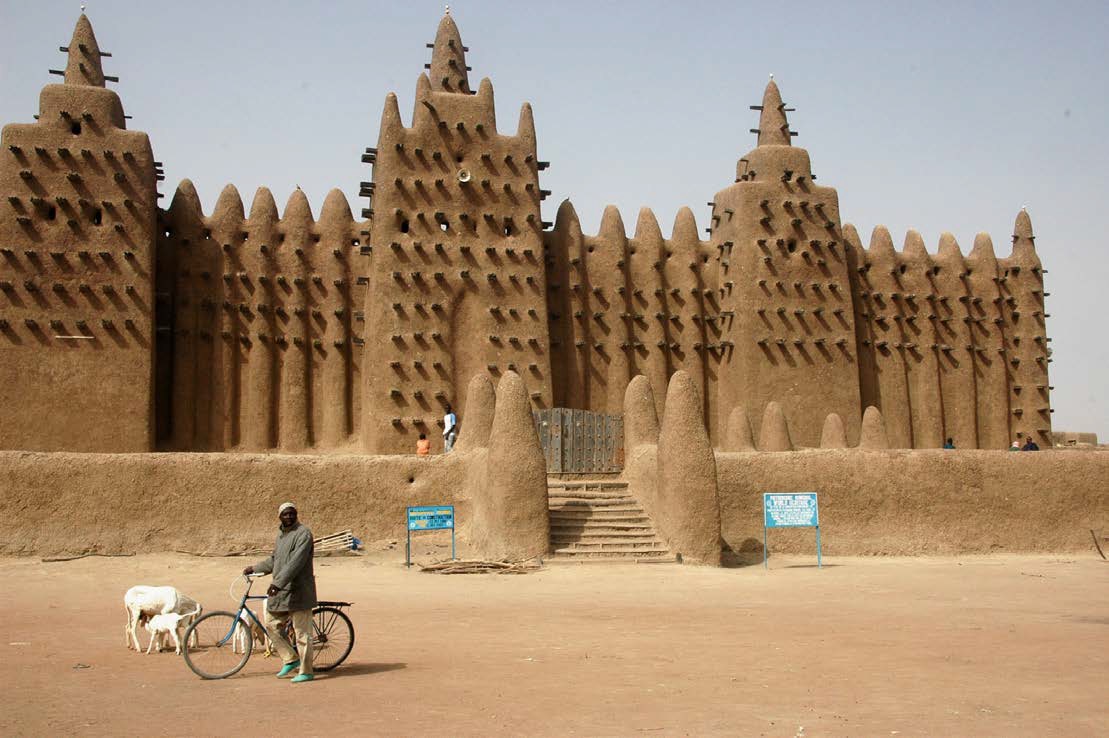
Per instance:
x=127, y=326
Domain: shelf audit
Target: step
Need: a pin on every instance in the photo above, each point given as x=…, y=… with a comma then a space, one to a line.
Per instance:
x=590, y=534
x=612, y=502
x=598, y=515
x=607, y=559
x=586, y=484
x=630, y=544
x=645, y=553
x=587, y=524
x=578, y=494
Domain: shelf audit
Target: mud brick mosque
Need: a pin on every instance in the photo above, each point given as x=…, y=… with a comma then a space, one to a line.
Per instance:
x=130, y=326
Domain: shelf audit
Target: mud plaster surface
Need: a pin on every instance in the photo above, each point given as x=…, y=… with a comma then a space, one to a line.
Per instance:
x=978, y=646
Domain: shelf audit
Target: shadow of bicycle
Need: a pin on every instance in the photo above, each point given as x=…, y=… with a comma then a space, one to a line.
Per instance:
x=359, y=669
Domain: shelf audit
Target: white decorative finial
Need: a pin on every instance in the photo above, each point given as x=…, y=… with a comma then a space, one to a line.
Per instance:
x=771, y=75
x=448, y=10
x=82, y=7
x=1023, y=207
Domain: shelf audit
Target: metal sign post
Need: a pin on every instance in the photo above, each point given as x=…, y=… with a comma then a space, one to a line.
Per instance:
x=429, y=517
x=790, y=510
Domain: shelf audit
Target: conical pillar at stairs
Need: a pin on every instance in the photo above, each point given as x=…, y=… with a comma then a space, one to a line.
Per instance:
x=597, y=521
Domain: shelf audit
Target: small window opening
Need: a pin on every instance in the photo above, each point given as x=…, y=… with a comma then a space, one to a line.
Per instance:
x=791, y=246
x=97, y=216
x=444, y=226
x=404, y=226
x=458, y=158
x=901, y=269
x=508, y=230
x=355, y=242
x=75, y=128
x=51, y=213
x=590, y=249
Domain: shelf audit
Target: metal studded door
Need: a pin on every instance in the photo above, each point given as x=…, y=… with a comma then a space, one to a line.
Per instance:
x=580, y=441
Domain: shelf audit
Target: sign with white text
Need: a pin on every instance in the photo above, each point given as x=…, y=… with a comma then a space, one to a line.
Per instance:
x=790, y=510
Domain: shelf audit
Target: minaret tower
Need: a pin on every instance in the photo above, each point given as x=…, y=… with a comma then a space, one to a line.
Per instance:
x=457, y=286
x=78, y=215
x=787, y=329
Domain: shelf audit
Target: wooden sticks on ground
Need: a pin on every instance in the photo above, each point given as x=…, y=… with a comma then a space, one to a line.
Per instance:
x=482, y=567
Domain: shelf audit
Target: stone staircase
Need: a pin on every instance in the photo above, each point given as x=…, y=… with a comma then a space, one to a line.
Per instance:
x=597, y=521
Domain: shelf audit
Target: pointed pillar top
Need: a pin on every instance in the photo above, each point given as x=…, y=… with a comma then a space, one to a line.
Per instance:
x=448, y=71
x=83, y=66
x=773, y=127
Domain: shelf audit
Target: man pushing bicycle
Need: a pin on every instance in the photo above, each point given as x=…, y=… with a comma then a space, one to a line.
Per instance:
x=292, y=595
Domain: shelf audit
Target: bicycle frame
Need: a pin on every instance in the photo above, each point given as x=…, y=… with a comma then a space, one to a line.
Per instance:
x=242, y=607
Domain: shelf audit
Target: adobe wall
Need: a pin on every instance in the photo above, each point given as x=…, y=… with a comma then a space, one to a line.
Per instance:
x=263, y=323
x=69, y=503
x=919, y=502
x=76, y=261
x=623, y=306
x=784, y=292
x=952, y=347
x=458, y=284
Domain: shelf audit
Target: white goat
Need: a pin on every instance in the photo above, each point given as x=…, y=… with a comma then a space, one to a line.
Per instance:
x=169, y=623
x=249, y=629
x=143, y=602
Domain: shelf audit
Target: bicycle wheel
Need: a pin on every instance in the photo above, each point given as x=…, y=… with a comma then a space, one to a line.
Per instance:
x=216, y=652
x=332, y=638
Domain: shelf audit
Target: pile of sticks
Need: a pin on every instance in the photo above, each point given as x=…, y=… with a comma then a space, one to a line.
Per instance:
x=473, y=566
x=341, y=541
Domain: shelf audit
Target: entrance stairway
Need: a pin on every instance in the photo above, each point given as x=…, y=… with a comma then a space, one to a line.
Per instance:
x=598, y=521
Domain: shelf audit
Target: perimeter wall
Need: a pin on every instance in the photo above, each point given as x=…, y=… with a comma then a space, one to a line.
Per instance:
x=919, y=502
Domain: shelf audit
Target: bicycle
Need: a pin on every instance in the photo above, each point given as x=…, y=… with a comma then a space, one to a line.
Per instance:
x=217, y=637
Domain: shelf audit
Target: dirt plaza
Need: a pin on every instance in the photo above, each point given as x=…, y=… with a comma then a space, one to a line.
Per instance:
x=988, y=645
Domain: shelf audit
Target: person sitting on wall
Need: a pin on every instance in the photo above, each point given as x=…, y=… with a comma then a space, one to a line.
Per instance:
x=423, y=446
x=1015, y=446
x=450, y=429
x=292, y=593
x=950, y=444
x=1030, y=445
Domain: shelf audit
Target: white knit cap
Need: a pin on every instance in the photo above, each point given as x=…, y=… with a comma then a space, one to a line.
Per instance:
x=285, y=506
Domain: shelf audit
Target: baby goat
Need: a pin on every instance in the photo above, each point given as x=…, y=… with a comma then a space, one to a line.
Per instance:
x=169, y=623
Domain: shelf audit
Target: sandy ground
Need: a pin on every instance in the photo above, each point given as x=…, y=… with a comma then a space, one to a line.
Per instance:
x=981, y=646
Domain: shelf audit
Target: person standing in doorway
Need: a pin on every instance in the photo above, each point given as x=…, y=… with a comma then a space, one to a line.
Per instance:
x=450, y=429
x=950, y=444
x=292, y=594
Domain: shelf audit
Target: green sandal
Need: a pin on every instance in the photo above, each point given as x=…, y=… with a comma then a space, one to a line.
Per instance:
x=303, y=678
x=288, y=668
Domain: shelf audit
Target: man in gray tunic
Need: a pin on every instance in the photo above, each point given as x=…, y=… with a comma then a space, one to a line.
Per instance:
x=292, y=595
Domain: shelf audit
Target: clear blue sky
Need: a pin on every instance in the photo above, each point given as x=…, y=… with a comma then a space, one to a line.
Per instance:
x=934, y=116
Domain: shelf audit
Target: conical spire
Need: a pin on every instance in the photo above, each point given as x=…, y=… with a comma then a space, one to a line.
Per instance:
x=1024, y=242
x=526, y=128
x=773, y=126
x=185, y=200
x=612, y=225
x=263, y=208
x=448, y=59
x=646, y=226
x=685, y=228
x=336, y=209
x=229, y=204
x=390, y=116
x=83, y=67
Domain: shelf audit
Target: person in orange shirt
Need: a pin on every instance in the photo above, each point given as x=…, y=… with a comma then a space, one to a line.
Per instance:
x=423, y=446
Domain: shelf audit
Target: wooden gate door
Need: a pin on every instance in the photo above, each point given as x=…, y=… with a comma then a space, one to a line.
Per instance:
x=580, y=441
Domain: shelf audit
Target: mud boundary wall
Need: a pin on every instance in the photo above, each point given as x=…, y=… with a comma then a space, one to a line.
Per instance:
x=918, y=502
x=66, y=503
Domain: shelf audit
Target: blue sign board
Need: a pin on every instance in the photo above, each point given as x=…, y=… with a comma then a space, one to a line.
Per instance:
x=429, y=517
x=790, y=510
